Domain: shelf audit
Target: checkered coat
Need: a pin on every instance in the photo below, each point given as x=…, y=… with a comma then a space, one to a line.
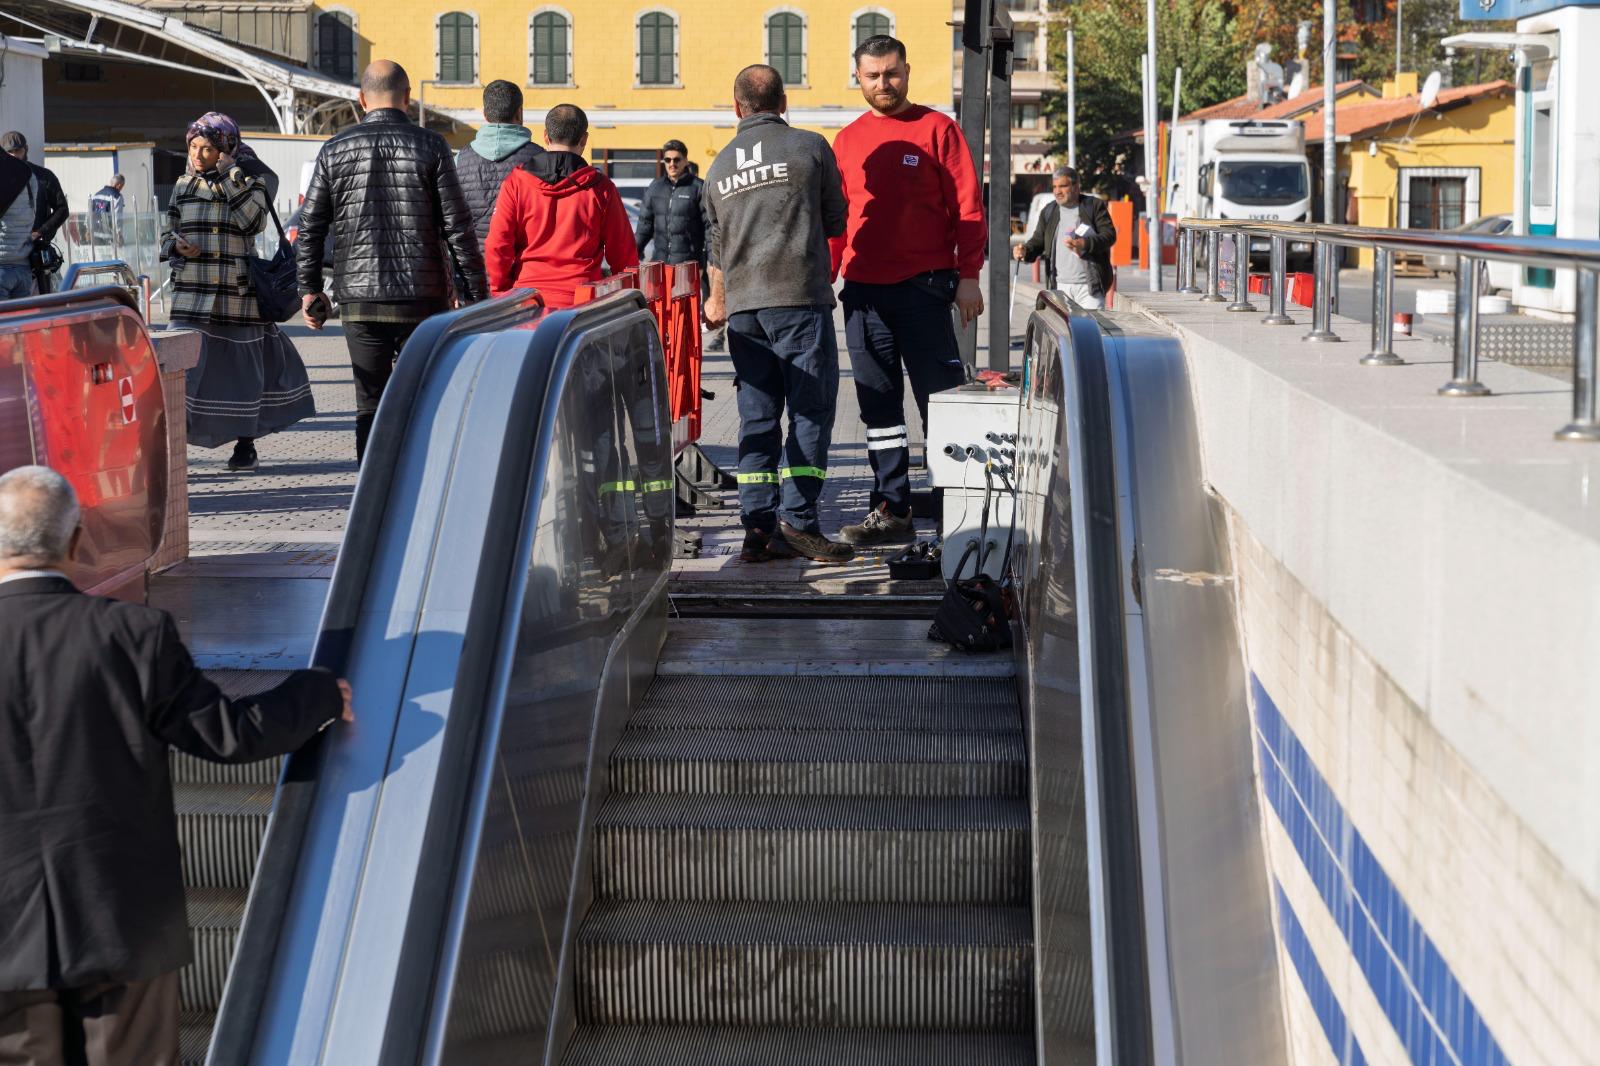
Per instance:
x=220, y=215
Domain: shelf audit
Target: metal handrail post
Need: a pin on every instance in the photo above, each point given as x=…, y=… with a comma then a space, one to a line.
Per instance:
x=1241, y=272
x=1186, y=261
x=1586, y=351
x=1277, y=282
x=1382, y=353
x=1464, y=373
x=144, y=296
x=1213, y=255
x=1321, y=302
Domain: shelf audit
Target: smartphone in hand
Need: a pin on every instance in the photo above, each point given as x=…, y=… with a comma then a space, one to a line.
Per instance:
x=319, y=310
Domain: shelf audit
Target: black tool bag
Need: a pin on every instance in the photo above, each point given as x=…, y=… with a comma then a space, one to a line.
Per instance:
x=972, y=616
x=277, y=290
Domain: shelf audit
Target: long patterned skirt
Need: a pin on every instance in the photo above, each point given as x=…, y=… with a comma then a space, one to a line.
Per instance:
x=249, y=382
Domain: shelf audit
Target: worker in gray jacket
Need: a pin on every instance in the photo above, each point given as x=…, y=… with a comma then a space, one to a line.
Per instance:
x=772, y=200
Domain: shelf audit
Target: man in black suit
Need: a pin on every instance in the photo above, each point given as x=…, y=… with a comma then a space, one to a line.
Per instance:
x=1074, y=236
x=92, y=694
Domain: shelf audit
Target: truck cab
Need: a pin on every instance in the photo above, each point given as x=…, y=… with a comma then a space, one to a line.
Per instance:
x=1245, y=169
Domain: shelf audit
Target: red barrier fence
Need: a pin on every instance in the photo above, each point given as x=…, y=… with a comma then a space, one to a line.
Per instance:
x=673, y=293
x=1302, y=287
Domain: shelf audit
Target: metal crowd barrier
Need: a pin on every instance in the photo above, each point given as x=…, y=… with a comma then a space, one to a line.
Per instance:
x=1472, y=252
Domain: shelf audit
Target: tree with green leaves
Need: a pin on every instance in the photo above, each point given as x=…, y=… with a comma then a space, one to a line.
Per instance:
x=1198, y=35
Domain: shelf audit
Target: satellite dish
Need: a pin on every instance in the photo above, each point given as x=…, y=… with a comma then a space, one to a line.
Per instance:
x=1430, y=91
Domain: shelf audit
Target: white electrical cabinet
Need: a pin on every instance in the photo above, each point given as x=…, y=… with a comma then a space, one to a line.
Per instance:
x=973, y=429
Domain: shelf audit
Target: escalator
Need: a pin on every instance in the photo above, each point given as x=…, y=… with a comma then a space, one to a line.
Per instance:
x=568, y=828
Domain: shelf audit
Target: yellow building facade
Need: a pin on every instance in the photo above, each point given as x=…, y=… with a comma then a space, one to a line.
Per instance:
x=1411, y=167
x=644, y=72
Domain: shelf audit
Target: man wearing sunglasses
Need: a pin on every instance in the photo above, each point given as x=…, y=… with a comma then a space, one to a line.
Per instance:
x=672, y=215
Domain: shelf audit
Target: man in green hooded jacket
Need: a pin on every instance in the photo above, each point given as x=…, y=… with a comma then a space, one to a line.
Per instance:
x=503, y=143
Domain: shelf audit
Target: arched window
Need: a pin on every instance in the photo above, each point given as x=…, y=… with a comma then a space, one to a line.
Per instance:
x=867, y=22
x=550, y=48
x=336, y=44
x=458, y=48
x=870, y=24
x=786, y=46
x=658, y=48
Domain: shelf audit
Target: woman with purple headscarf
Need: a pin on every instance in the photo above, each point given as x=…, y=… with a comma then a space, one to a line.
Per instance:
x=250, y=381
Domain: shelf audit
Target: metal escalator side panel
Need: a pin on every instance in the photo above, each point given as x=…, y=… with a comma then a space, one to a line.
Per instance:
x=366, y=528
x=1203, y=856
x=1075, y=664
x=588, y=606
x=355, y=770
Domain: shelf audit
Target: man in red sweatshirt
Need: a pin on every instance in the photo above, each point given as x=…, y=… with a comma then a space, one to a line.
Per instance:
x=557, y=218
x=913, y=246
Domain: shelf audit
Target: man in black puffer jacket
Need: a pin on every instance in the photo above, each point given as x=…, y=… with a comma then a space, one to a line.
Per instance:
x=502, y=144
x=673, y=216
x=671, y=213
x=387, y=191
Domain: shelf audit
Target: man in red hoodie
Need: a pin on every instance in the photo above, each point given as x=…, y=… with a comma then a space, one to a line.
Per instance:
x=557, y=218
x=913, y=246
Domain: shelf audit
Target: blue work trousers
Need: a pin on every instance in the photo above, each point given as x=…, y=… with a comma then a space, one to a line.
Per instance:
x=893, y=329
x=784, y=356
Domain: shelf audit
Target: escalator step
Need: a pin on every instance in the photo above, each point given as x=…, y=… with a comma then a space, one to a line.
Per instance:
x=837, y=965
x=189, y=770
x=796, y=848
x=214, y=918
x=194, y=1036
x=832, y=762
x=785, y=702
x=220, y=829
x=642, y=1045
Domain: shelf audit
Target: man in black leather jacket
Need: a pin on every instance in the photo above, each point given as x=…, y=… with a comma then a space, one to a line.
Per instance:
x=386, y=190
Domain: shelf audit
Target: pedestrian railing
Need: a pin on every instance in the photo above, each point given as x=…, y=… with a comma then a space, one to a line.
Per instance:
x=1472, y=252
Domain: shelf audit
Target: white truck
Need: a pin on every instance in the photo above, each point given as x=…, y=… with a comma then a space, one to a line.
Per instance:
x=1245, y=169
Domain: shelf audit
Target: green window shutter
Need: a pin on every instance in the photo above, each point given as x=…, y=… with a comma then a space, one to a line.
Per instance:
x=786, y=47
x=550, y=49
x=657, y=46
x=456, y=59
x=871, y=25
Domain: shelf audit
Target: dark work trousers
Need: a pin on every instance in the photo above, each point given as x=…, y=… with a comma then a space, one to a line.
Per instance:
x=889, y=327
x=784, y=356
x=132, y=1024
x=374, y=346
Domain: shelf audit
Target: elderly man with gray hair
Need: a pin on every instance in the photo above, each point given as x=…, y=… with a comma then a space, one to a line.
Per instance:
x=93, y=692
x=1074, y=236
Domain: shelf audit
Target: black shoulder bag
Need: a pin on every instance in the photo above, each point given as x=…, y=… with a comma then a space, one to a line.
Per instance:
x=974, y=616
x=277, y=290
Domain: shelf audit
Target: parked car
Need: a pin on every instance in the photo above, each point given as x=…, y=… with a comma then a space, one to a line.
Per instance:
x=1497, y=276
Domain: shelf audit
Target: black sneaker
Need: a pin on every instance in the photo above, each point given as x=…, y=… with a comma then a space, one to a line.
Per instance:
x=813, y=546
x=881, y=526
x=243, y=458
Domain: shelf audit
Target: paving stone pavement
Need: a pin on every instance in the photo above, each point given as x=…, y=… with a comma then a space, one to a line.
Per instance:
x=300, y=495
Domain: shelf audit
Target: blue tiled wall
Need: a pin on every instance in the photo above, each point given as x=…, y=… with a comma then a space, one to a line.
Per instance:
x=1431, y=1013
x=1323, y=999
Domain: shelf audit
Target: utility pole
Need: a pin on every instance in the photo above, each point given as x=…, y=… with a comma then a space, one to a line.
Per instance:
x=1072, y=99
x=1152, y=153
x=1399, y=33
x=974, y=120
x=1330, y=71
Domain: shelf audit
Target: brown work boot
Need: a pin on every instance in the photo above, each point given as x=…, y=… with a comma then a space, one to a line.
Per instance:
x=758, y=547
x=881, y=526
x=813, y=546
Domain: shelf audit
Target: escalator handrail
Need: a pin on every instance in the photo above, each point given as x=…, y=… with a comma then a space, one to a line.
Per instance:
x=518, y=491
x=1079, y=342
x=257, y=946
x=68, y=299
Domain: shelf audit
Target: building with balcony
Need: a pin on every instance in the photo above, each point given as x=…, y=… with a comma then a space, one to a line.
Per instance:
x=645, y=72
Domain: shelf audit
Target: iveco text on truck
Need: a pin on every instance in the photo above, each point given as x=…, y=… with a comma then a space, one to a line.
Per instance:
x=1243, y=169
